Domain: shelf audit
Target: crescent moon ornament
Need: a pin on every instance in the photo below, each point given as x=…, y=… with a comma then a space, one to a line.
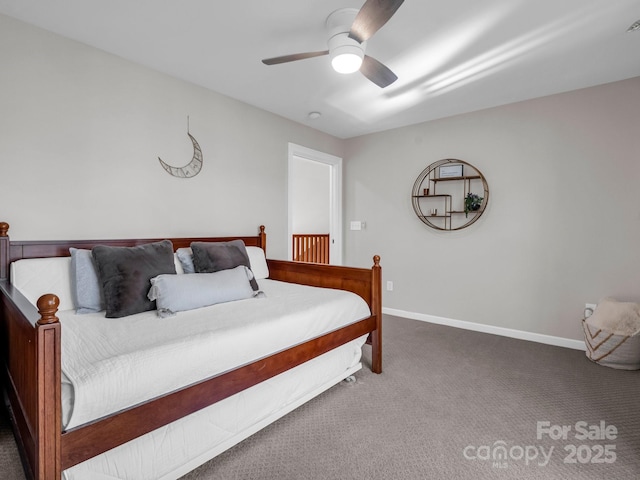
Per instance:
x=192, y=168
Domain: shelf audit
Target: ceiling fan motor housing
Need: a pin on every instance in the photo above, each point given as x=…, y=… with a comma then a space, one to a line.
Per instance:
x=340, y=21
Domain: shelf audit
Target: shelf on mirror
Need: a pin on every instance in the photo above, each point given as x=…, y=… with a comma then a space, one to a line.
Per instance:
x=435, y=195
x=448, y=179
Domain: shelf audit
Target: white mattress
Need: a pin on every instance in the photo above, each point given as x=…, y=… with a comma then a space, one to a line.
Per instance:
x=114, y=363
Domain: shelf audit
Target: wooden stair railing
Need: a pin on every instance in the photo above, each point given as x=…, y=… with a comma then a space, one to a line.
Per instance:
x=312, y=247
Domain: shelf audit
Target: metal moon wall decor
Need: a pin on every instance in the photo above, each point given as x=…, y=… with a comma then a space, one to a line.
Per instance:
x=450, y=194
x=192, y=168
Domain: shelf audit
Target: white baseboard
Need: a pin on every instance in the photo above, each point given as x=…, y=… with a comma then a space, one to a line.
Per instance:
x=479, y=327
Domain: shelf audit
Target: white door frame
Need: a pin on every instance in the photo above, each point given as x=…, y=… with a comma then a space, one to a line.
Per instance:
x=335, y=215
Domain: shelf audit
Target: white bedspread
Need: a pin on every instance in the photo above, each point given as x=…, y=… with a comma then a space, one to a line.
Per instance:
x=114, y=363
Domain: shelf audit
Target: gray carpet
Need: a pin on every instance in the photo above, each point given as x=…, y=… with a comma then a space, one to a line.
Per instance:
x=445, y=393
x=10, y=466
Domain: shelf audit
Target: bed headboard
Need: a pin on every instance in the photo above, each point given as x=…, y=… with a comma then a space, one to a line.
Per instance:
x=11, y=251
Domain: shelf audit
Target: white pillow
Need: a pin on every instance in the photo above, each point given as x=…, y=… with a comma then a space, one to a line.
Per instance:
x=258, y=262
x=176, y=293
x=36, y=276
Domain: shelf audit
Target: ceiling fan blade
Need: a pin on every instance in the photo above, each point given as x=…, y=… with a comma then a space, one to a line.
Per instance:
x=373, y=15
x=293, y=57
x=377, y=72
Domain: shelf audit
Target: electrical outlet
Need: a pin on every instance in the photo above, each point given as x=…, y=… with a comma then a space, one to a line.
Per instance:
x=389, y=286
x=588, y=309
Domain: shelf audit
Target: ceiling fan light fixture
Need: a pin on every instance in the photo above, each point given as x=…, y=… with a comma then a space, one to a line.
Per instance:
x=346, y=54
x=346, y=62
x=348, y=31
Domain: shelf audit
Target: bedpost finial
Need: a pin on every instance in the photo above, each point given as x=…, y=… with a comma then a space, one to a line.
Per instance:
x=47, y=308
x=261, y=228
x=4, y=229
x=376, y=260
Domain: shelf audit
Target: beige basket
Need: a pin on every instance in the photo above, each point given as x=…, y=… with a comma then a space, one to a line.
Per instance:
x=611, y=350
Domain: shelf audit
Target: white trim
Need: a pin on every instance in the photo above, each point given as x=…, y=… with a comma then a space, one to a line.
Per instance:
x=479, y=327
x=335, y=252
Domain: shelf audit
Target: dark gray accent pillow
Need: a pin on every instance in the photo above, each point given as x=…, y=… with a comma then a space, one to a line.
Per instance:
x=210, y=257
x=125, y=275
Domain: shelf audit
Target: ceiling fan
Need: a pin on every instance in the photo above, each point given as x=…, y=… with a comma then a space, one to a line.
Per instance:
x=349, y=29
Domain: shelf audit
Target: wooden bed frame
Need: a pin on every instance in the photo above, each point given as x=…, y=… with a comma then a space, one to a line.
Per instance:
x=30, y=349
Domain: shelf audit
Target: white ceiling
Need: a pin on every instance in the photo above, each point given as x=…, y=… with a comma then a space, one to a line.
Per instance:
x=451, y=56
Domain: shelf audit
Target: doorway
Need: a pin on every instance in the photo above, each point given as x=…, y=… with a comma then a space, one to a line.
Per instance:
x=315, y=198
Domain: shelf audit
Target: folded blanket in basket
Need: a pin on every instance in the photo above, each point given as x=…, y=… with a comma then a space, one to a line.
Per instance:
x=620, y=318
x=611, y=334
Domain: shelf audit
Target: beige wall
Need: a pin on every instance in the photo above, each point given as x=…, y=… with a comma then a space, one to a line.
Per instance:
x=80, y=136
x=81, y=130
x=561, y=229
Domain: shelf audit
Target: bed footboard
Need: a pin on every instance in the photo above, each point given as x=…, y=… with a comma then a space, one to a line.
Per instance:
x=362, y=281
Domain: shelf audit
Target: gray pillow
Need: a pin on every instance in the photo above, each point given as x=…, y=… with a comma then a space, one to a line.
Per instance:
x=176, y=293
x=185, y=256
x=85, y=285
x=125, y=275
x=209, y=257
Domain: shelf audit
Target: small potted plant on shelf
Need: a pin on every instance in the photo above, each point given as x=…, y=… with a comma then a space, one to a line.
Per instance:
x=472, y=203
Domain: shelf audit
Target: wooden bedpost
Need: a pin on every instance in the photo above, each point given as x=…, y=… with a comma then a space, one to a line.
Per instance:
x=4, y=250
x=49, y=410
x=376, y=306
x=263, y=239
